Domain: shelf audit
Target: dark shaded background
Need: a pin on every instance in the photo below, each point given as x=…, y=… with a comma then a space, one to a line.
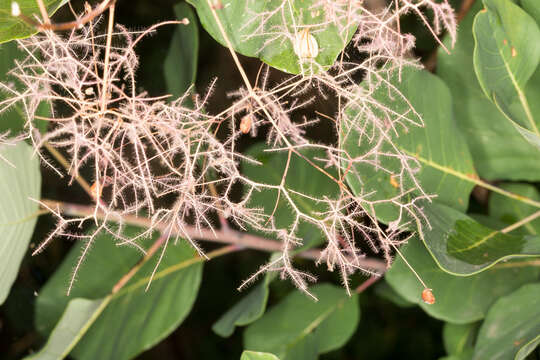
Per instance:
x=385, y=331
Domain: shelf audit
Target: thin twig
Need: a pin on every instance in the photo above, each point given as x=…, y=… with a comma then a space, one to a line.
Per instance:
x=65, y=164
x=157, y=244
x=231, y=236
x=90, y=15
x=43, y=11
x=363, y=286
x=521, y=222
x=104, y=87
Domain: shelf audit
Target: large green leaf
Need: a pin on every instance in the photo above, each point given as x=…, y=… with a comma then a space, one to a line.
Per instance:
x=459, y=299
x=438, y=146
x=52, y=299
x=13, y=119
x=301, y=177
x=458, y=338
x=247, y=310
x=387, y=292
x=506, y=54
x=254, y=355
x=509, y=211
x=13, y=27
x=511, y=323
x=180, y=66
x=21, y=182
x=271, y=39
x=528, y=348
x=498, y=150
x=135, y=319
x=298, y=323
x=533, y=8
x=462, y=246
x=66, y=333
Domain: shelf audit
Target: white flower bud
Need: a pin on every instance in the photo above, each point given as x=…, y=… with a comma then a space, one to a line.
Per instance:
x=305, y=45
x=15, y=9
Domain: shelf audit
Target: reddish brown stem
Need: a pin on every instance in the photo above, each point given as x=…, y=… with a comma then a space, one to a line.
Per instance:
x=363, y=286
x=238, y=238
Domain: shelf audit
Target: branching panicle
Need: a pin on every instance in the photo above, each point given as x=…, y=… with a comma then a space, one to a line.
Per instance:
x=145, y=151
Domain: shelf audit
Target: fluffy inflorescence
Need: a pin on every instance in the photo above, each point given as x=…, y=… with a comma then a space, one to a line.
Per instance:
x=159, y=158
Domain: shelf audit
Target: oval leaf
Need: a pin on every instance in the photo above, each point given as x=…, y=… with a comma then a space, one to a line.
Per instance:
x=21, y=182
x=527, y=348
x=511, y=323
x=14, y=28
x=462, y=246
x=264, y=29
x=247, y=310
x=13, y=118
x=458, y=338
x=135, y=319
x=297, y=321
x=498, y=150
x=180, y=66
x=458, y=299
x=506, y=54
x=301, y=177
x=77, y=315
x=445, y=160
x=387, y=292
x=533, y=8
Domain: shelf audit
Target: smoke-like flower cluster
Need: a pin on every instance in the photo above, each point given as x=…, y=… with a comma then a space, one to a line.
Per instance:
x=160, y=158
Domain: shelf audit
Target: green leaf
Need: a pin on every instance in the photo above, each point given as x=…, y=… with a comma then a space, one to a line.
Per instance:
x=387, y=292
x=21, y=182
x=14, y=119
x=509, y=211
x=506, y=54
x=112, y=261
x=14, y=28
x=462, y=246
x=135, y=319
x=306, y=348
x=511, y=324
x=246, y=311
x=527, y=348
x=301, y=177
x=533, y=8
x=66, y=332
x=458, y=338
x=498, y=150
x=438, y=146
x=271, y=39
x=459, y=299
x=290, y=326
x=253, y=355
x=180, y=66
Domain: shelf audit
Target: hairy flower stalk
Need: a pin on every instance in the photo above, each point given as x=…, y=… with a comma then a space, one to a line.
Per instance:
x=157, y=157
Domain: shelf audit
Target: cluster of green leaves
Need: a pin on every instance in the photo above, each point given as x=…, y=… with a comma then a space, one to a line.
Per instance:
x=481, y=114
x=485, y=279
